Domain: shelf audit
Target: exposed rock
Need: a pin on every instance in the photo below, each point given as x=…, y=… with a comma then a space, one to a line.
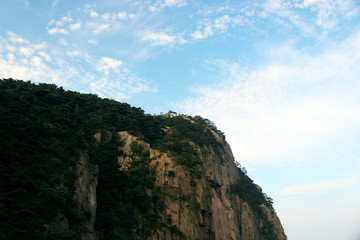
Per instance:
x=196, y=208
x=219, y=214
x=249, y=228
x=85, y=194
x=104, y=136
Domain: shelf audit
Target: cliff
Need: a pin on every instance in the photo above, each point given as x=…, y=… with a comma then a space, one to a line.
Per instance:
x=204, y=207
x=79, y=167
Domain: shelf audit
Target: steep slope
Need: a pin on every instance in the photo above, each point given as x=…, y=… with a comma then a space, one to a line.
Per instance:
x=203, y=206
x=75, y=166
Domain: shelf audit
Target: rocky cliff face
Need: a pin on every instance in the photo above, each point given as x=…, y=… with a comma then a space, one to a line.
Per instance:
x=196, y=207
x=85, y=195
x=202, y=207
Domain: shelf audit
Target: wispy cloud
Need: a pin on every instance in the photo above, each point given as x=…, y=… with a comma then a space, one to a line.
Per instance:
x=15, y=38
x=54, y=4
x=90, y=21
x=167, y=3
x=56, y=30
x=209, y=27
x=99, y=27
x=93, y=41
x=75, y=26
x=291, y=109
x=90, y=10
x=162, y=38
x=73, y=53
x=330, y=12
x=21, y=59
x=105, y=64
x=27, y=4
x=322, y=187
x=327, y=13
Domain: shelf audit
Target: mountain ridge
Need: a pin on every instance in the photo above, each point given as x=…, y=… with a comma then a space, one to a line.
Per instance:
x=92, y=168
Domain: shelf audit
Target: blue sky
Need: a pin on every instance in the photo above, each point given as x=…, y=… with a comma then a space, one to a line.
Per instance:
x=280, y=78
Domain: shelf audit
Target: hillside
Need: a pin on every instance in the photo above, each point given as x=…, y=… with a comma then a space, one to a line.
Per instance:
x=75, y=166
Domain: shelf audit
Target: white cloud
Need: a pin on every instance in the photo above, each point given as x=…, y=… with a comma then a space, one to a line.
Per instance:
x=94, y=14
x=99, y=27
x=93, y=41
x=107, y=16
x=64, y=25
x=292, y=109
x=105, y=64
x=328, y=13
x=209, y=27
x=75, y=26
x=37, y=61
x=26, y=51
x=162, y=38
x=73, y=53
x=11, y=48
x=40, y=46
x=322, y=187
x=45, y=56
x=110, y=78
x=56, y=30
x=63, y=21
x=120, y=87
x=122, y=15
x=221, y=23
x=167, y=3
x=14, y=38
x=174, y=3
x=11, y=57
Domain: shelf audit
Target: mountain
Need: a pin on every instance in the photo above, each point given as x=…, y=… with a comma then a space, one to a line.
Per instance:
x=75, y=166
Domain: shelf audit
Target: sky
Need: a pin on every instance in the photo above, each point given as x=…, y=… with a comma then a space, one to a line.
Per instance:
x=281, y=79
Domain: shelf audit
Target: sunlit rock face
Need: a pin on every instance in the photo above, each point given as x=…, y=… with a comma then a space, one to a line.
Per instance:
x=203, y=207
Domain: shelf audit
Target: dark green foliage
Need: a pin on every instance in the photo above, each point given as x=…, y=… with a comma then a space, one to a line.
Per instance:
x=248, y=191
x=181, y=134
x=43, y=131
x=207, y=123
x=176, y=231
x=38, y=153
x=123, y=200
x=172, y=173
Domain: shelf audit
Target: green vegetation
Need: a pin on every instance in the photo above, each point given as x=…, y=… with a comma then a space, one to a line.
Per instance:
x=123, y=200
x=43, y=131
x=249, y=192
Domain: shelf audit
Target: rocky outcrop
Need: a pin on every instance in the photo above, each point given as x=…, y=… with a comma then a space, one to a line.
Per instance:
x=202, y=207
x=85, y=195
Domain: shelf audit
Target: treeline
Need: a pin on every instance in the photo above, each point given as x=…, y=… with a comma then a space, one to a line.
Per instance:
x=249, y=192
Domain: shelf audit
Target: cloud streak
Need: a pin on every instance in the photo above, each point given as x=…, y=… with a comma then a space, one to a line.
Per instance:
x=159, y=4
x=292, y=109
x=320, y=188
x=162, y=38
